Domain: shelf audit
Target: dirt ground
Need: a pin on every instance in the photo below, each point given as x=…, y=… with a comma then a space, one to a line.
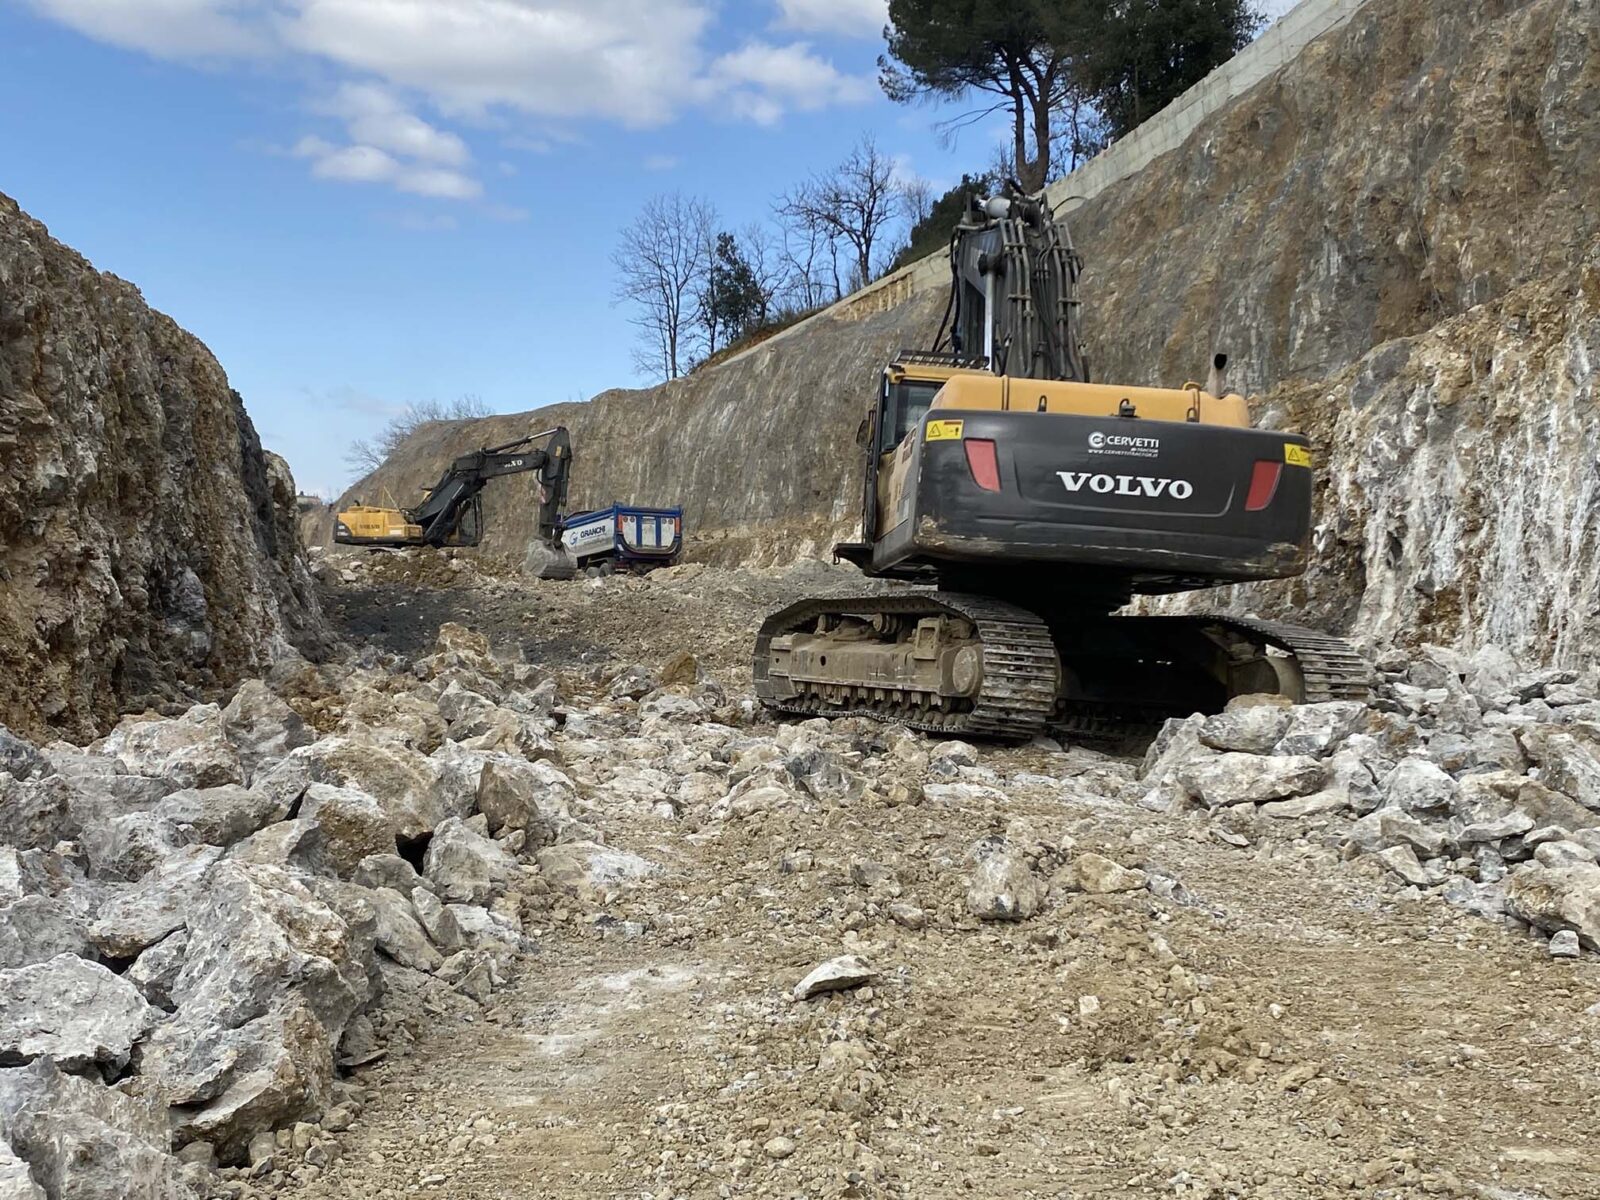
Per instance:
x=1275, y=1022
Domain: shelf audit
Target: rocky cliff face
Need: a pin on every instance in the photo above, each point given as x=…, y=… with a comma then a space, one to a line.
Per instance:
x=1426, y=157
x=1460, y=496
x=147, y=543
x=1388, y=238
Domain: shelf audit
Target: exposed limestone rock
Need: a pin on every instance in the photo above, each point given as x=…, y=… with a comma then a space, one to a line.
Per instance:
x=18, y=758
x=107, y=602
x=84, y=1141
x=481, y=929
x=1002, y=887
x=1235, y=778
x=835, y=975
x=271, y=1070
x=400, y=934
x=72, y=1011
x=1566, y=763
x=270, y=977
x=1315, y=729
x=466, y=866
x=354, y=826
x=437, y=921
x=37, y=814
x=1100, y=876
x=387, y=870
x=1562, y=852
x=156, y=970
x=587, y=868
x=261, y=727
x=1254, y=729
x=297, y=845
x=191, y=750
x=404, y=782
x=1329, y=800
x=1556, y=898
x=1402, y=860
x=533, y=796
x=1416, y=785
x=130, y=847
x=16, y=1181
x=156, y=906
x=34, y=929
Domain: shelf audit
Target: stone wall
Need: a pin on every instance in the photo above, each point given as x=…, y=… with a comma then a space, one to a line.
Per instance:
x=147, y=544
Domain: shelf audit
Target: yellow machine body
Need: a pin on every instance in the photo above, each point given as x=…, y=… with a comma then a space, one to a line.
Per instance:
x=371, y=524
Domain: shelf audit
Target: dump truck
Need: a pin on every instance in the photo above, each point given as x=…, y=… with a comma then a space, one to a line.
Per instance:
x=626, y=537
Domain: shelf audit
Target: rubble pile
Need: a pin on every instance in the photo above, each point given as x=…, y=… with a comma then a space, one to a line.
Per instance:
x=211, y=924
x=1471, y=778
x=204, y=918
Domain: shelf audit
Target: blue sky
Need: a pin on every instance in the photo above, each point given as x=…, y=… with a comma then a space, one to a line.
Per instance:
x=363, y=203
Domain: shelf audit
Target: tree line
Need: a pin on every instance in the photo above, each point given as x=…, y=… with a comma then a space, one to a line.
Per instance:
x=1069, y=76
x=696, y=287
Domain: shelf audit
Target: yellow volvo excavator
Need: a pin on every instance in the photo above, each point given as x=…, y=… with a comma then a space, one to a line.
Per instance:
x=1033, y=504
x=451, y=512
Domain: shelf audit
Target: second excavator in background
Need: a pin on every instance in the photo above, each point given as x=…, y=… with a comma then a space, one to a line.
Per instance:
x=1034, y=504
x=451, y=512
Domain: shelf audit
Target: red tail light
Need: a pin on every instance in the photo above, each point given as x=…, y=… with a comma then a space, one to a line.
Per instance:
x=985, y=467
x=1263, y=485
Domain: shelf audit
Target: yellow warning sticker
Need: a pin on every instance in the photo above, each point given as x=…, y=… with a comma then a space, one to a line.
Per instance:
x=1296, y=456
x=944, y=431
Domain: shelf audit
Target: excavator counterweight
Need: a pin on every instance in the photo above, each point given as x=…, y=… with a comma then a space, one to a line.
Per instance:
x=1036, y=503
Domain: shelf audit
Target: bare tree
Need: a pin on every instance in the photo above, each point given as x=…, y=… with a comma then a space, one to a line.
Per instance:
x=809, y=256
x=1078, y=135
x=763, y=251
x=366, y=455
x=916, y=198
x=660, y=261
x=854, y=204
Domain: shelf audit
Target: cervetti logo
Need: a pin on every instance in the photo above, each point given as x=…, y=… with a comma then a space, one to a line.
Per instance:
x=1124, y=444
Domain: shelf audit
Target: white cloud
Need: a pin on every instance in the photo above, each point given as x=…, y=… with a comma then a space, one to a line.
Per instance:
x=375, y=117
x=852, y=18
x=521, y=67
x=423, y=222
x=761, y=81
x=168, y=28
x=625, y=60
x=660, y=162
x=389, y=144
x=369, y=164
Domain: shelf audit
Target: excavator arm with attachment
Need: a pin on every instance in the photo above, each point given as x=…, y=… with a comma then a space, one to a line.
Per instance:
x=451, y=512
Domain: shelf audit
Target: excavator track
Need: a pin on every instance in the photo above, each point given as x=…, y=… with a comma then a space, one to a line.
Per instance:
x=1020, y=695
x=1020, y=679
x=1330, y=667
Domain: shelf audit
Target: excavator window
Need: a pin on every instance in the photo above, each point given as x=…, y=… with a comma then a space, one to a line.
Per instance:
x=906, y=403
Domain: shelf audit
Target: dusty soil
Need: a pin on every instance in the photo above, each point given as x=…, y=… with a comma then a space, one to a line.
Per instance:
x=1285, y=1025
